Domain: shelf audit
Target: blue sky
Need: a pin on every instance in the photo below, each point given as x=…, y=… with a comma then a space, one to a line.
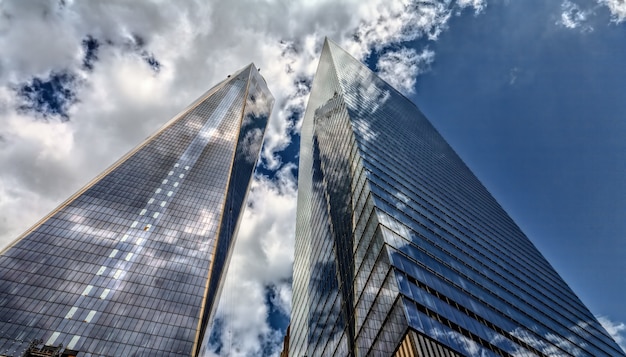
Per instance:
x=536, y=110
x=529, y=93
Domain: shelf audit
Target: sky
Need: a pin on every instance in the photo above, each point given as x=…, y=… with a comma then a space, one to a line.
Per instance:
x=529, y=93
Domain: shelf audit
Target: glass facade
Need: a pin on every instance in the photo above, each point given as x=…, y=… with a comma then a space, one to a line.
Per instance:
x=399, y=246
x=132, y=264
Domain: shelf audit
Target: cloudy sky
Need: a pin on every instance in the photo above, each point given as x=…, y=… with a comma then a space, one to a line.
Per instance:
x=530, y=94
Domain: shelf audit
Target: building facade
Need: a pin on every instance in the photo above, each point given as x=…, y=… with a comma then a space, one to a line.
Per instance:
x=132, y=264
x=400, y=250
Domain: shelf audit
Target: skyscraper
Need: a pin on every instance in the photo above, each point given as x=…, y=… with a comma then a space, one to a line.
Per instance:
x=401, y=251
x=132, y=264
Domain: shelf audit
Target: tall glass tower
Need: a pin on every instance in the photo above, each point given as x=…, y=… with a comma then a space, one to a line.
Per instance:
x=132, y=264
x=401, y=251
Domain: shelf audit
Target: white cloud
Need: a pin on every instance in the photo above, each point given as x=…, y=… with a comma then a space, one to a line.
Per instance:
x=617, y=8
x=122, y=100
x=572, y=16
x=384, y=22
x=401, y=68
x=617, y=330
x=263, y=257
x=478, y=5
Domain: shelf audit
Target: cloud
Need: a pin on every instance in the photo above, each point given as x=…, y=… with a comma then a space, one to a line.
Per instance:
x=617, y=9
x=134, y=65
x=572, y=16
x=401, y=68
x=262, y=258
x=617, y=330
x=513, y=75
x=478, y=5
x=90, y=47
x=386, y=22
x=50, y=96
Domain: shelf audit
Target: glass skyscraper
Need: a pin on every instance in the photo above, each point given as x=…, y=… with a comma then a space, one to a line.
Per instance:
x=132, y=264
x=401, y=251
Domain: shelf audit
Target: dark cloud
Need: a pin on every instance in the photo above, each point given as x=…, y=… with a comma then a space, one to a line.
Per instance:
x=138, y=40
x=151, y=61
x=137, y=43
